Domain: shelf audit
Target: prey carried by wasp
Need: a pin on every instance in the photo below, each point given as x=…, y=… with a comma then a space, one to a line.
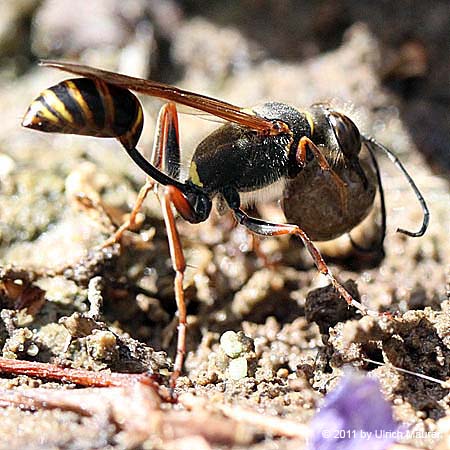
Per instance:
x=255, y=149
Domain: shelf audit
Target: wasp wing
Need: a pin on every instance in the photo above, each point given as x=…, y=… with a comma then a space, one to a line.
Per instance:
x=200, y=102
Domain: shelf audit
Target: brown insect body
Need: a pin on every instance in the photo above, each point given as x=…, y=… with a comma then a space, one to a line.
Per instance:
x=311, y=200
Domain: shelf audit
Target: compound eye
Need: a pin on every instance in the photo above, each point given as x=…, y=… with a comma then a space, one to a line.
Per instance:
x=347, y=134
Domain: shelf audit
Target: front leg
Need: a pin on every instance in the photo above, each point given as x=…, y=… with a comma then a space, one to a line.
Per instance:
x=306, y=144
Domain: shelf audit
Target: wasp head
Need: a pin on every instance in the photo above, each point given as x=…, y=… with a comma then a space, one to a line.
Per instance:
x=346, y=133
x=336, y=131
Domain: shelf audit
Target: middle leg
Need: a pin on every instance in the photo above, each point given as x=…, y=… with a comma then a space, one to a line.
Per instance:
x=264, y=228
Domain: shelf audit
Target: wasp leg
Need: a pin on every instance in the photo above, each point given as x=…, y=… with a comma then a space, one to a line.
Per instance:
x=264, y=228
x=301, y=155
x=165, y=154
x=166, y=147
x=256, y=248
x=165, y=168
x=273, y=229
x=179, y=266
x=130, y=223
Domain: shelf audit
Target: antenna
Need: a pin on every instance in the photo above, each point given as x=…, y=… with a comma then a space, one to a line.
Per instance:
x=374, y=145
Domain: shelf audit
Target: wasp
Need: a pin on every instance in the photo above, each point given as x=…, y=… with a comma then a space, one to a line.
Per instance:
x=252, y=151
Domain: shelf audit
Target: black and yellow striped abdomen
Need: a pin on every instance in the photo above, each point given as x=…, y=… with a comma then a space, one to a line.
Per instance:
x=87, y=107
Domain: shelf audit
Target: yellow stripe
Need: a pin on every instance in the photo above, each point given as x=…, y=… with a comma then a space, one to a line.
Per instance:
x=58, y=105
x=137, y=122
x=129, y=138
x=193, y=174
x=81, y=102
x=38, y=110
x=310, y=120
x=108, y=104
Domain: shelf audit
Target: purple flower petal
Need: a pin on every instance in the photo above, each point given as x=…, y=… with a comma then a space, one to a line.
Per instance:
x=355, y=415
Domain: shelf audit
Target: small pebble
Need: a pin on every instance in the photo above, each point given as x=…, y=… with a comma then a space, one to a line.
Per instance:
x=231, y=344
x=33, y=350
x=238, y=368
x=282, y=373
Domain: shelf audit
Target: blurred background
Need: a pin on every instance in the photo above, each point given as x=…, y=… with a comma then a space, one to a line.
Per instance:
x=205, y=43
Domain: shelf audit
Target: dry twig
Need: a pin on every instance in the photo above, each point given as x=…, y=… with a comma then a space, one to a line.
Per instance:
x=276, y=426
x=81, y=377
